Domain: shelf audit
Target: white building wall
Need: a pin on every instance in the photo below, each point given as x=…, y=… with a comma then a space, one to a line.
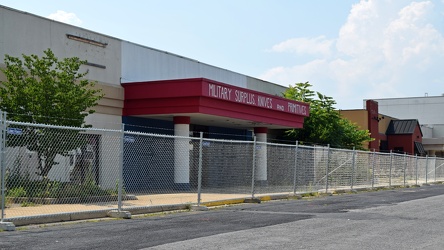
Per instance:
x=438, y=130
x=427, y=131
x=109, y=160
x=428, y=110
x=23, y=162
x=24, y=33
x=109, y=150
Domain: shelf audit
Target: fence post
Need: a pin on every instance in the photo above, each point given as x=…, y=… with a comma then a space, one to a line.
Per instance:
x=435, y=168
x=119, y=191
x=254, y=167
x=373, y=168
x=405, y=166
x=390, y=171
x=327, y=168
x=199, y=176
x=427, y=167
x=7, y=226
x=2, y=161
x=416, y=169
x=353, y=168
x=295, y=167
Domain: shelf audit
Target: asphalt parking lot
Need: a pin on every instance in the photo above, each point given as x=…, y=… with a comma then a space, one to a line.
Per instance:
x=402, y=218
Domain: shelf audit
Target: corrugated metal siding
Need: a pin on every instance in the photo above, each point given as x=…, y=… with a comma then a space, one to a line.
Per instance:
x=146, y=64
x=264, y=86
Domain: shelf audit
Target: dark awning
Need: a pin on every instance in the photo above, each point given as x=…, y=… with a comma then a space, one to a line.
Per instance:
x=419, y=148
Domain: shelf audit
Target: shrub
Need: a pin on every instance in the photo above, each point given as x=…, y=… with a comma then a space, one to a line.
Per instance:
x=16, y=192
x=21, y=186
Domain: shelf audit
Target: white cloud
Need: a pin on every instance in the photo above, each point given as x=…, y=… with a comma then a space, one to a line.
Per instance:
x=304, y=72
x=65, y=17
x=385, y=49
x=318, y=45
x=354, y=36
x=411, y=40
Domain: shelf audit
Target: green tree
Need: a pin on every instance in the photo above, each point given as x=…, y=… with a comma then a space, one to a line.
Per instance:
x=324, y=125
x=47, y=90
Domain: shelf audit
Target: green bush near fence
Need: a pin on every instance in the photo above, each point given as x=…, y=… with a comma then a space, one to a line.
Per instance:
x=18, y=185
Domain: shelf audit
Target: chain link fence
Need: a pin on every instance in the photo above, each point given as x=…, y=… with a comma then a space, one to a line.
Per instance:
x=48, y=170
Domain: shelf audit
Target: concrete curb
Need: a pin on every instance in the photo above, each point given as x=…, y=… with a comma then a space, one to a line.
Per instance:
x=63, y=217
x=223, y=202
x=157, y=209
x=274, y=197
x=198, y=208
x=252, y=200
x=119, y=214
x=7, y=226
x=53, y=218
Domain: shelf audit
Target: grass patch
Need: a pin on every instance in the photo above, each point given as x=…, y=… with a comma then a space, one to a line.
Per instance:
x=311, y=194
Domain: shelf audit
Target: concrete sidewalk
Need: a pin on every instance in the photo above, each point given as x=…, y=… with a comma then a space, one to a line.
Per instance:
x=16, y=210
x=37, y=213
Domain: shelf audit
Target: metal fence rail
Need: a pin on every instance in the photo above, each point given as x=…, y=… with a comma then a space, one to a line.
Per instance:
x=54, y=170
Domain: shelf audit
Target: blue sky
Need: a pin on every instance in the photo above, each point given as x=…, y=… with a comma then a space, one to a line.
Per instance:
x=349, y=49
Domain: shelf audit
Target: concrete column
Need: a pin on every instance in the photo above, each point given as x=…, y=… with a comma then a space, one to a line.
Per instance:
x=261, y=155
x=182, y=153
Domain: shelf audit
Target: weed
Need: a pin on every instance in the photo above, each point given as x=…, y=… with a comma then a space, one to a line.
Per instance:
x=188, y=206
x=28, y=204
x=16, y=192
